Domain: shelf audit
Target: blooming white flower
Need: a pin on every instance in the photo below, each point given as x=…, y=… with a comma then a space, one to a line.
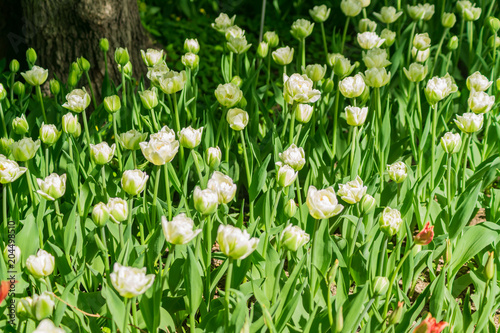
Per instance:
x=237, y=119
x=24, y=149
x=9, y=170
x=205, y=201
x=322, y=204
x=478, y=82
x=40, y=265
x=439, y=88
x=388, y=15
x=49, y=134
x=377, y=77
x=376, y=57
x=47, y=326
x=102, y=153
x=118, y=209
x=420, y=56
x=234, y=32
x=480, y=102
x=130, y=140
x=303, y=112
x=368, y=40
x=320, y=13
x=159, y=150
x=100, y=214
x=172, y=82
x=156, y=73
x=190, y=60
x=213, y=157
x=223, y=185
x=390, y=221
x=469, y=122
x=292, y=238
x=191, y=45
x=352, y=86
x=397, y=171
x=179, y=231
x=223, y=22
x=293, y=156
x=36, y=76
x=301, y=28
x=190, y=137
x=356, y=116
x=285, y=175
x=351, y=8
x=416, y=72
x=234, y=242
x=451, y=142
x=228, y=94
x=238, y=45
x=299, y=88
x=151, y=57
x=130, y=281
x=283, y=56
x=422, y=41
x=352, y=192
x=77, y=100
x=134, y=181
x=52, y=187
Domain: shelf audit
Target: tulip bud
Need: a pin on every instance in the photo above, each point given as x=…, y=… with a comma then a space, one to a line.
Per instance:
x=271, y=38
x=293, y=238
x=20, y=125
x=315, y=72
x=130, y=140
x=453, y=43
x=368, y=204
x=388, y=14
x=102, y=153
x=190, y=60
x=234, y=31
x=84, y=64
x=213, y=157
x=422, y=41
x=389, y=36
x=380, y=285
x=301, y=28
x=480, y=102
x=494, y=41
x=179, y=231
x=342, y=66
x=24, y=149
x=78, y=131
x=72, y=79
x=369, y=40
x=351, y=8
x=420, y=56
x=55, y=87
x=149, y=98
x=121, y=56
x=262, y=50
x=49, y=134
x=104, y=44
x=489, y=269
x=69, y=123
x=425, y=236
x=41, y=264
x=151, y=57
x=332, y=273
x=339, y=321
x=12, y=252
x=223, y=185
x=294, y=156
x=390, y=221
x=5, y=144
x=367, y=25
x=19, y=88
x=376, y=58
x=205, y=201
x=191, y=45
x=303, y=113
x=100, y=214
x=190, y=137
x=352, y=86
x=234, y=242
x=285, y=175
x=77, y=100
x=237, y=119
x=377, y=77
x=290, y=208
x=397, y=315
x=118, y=210
x=228, y=94
x=31, y=56
x=42, y=306
x=448, y=20
x=397, y=172
x=129, y=281
x=328, y=86
x=469, y=122
x=448, y=252
x=451, y=142
x=319, y=13
x=134, y=181
x=416, y=72
x=14, y=66
x=493, y=23
x=283, y=56
x=112, y=104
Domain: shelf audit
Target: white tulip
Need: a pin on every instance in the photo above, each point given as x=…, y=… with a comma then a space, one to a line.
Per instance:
x=134, y=181
x=352, y=192
x=52, y=187
x=40, y=265
x=322, y=204
x=179, y=231
x=77, y=100
x=130, y=281
x=223, y=185
x=234, y=242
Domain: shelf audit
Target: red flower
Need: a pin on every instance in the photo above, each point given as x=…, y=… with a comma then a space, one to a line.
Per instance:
x=429, y=325
x=425, y=236
x=4, y=290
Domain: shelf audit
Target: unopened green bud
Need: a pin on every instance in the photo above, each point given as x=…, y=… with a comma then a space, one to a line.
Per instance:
x=55, y=87
x=333, y=272
x=448, y=20
x=368, y=204
x=367, y=25
x=271, y=38
x=494, y=24
x=389, y=36
x=342, y=66
x=494, y=41
x=380, y=285
x=453, y=43
x=213, y=157
x=19, y=88
x=290, y=208
x=328, y=86
x=75, y=68
x=121, y=56
x=339, y=321
x=448, y=251
x=243, y=102
x=497, y=83
x=112, y=104
x=42, y=306
x=5, y=144
x=20, y=125
x=104, y=44
x=83, y=63
x=489, y=269
x=237, y=81
x=72, y=79
x=396, y=315
x=263, y=50
x=127, y=69
x=31, y=56
x=14, y=66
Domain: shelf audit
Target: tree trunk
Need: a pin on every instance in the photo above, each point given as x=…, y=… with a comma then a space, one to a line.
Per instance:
x=60, y=31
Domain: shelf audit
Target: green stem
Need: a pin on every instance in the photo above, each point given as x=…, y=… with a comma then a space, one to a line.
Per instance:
x=433, y=143
x=299, y=198
x=269, y=221
x=155, y=195
x=410, y=45
x=448, y=188
x=4, y=207
x=167, y=190
x=30, y=184
x=343, y=36
x=324, y=40
x=353, y=147
x=47, y=161
x=485, y=137
x=245, y=156
x=208, y=265
x=127, y=313
x=227, y=291
x=40, y=98
x=470, y=30
x=178, y=128
x=103, y=177
x=393, y=278
x=464, y=169
x=12, y=80
x=303, y=43
x=58, y=214
x=292, y=126
x=335, y=118
x=91, y=90
x=134, y=314
x=379, y=136
x=365, y=311
x=105, y=254
x=198, y=169
x=124, y=88
x=86, y=127
x=3, y=121
x=117, y=144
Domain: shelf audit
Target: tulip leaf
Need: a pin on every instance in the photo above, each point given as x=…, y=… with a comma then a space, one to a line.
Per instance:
x=116, y=306
x=259, y=179
x=194, y=285
x=466, y=205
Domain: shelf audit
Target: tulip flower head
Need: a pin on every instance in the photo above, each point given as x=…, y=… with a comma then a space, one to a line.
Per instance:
x=285, y=175
x=390, y=221
x=205, y=201
x=228, y=94
x=130, y=281
x=9, y=170
x=323, y=204
x=283, y=56
x=356, y=116
x=102, y=153
x=480, y=102
x=320, y=13
x=429, y=325
x=234, y=242
x=451, y=142
x=24, y=149
x=388, y=15
x=161, y=148
x=469, y=122
x=223, y=22
x=299, y=88
x=134, y=181
x=368, y=40
x=131, y=139
x=20, y=124
x=351, y=8
x=438, y=88
x=179, y=231
x=301, y=28
x=293, y=238
x=41, y=264
x=376, y=57
x=303, y=113
x=425, y=236
x=352, y=192
x=77, y=100
x=190, y=137
x=478, y=82
x=36, y=76
x=151, y=57
x=237, y=119
x=223, y=185
x=118, y=210
x=70, y=123
x=49, y=134
x=47, y=326
x=294, y=156
x=352, y=86
x=397, y=171
x=52, y=187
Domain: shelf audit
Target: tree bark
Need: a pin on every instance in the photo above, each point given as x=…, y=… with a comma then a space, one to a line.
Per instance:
x=60, y=31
